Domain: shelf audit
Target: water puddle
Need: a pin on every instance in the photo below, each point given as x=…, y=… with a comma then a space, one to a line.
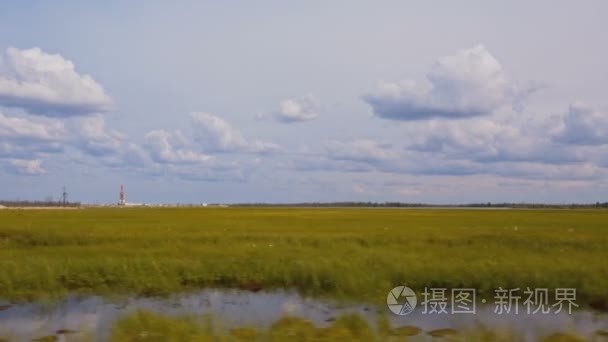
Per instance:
x=95, y=316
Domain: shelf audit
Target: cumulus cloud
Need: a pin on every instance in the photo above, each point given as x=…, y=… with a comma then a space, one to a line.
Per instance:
x=467, y=84
x=48, y=84
x=196, y=158
x=91, y=135
x=216, y=134
x=166, y=147
x=471, y=137
x=23, y=138
x=26, y=139
x=298, y=110
x=582, y=125
x=367, y=155
x=501, y=147
x=485, y=140
x=27, y=167
x=107, y=147
x=16, y=128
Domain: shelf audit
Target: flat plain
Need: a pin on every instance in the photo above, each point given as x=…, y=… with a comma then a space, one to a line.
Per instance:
x=340, y=253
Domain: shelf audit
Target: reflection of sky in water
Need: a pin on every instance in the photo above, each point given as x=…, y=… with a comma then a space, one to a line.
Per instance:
x=237, y=308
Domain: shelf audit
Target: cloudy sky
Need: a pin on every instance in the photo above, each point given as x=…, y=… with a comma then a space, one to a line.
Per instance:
x=275, y=101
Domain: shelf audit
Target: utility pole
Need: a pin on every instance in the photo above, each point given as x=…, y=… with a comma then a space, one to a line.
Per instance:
x=64, y=196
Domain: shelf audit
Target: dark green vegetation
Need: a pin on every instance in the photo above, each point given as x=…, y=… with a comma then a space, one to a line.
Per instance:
x=356, y=254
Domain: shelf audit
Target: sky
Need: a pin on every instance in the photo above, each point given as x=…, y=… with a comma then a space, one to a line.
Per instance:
x=275, y=101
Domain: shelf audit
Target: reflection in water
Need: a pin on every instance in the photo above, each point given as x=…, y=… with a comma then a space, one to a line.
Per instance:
x=94, y=316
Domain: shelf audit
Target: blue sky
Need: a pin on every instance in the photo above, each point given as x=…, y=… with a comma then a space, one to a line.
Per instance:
x=201, y=101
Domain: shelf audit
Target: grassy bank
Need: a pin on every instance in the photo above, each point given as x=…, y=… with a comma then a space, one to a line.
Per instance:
x=146, y=326
x=357, y=254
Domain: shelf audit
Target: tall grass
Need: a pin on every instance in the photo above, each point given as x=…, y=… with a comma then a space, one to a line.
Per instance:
x=356, y=254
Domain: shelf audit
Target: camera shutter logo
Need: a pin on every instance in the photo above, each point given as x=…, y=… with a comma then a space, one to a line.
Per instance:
x=401, y=300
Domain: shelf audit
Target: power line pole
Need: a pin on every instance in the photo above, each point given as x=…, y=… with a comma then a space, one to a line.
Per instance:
x=64, y=196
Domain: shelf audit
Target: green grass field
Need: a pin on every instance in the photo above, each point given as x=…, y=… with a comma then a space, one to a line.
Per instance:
x=353, y=254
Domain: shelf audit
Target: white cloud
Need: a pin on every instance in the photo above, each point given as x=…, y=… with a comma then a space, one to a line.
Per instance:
x=24, y=129
x=22, y=138
x=475, y=146
x=298, y=110
x=467, y=84
x=483, y=136
x=166, y=147
x=191, y=159
x=48, y=84
x=27, y=167
x=174, y=155
x=216, y=134
x=470, y=85
x=483, y=140
x=91, y=135
x=106, y=146
x=583, y=126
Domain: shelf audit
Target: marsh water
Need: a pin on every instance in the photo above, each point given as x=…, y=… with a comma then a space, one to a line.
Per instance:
x=95, y=316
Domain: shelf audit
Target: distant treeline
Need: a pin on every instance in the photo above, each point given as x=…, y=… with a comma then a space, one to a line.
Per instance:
x=420, y=205
x=343, y=204
x=39, y=204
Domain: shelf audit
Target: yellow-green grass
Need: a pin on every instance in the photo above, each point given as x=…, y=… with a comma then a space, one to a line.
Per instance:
x=148, y=326
x=356, y=254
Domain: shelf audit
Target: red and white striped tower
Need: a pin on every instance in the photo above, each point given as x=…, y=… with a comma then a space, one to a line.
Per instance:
x=121, y=198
